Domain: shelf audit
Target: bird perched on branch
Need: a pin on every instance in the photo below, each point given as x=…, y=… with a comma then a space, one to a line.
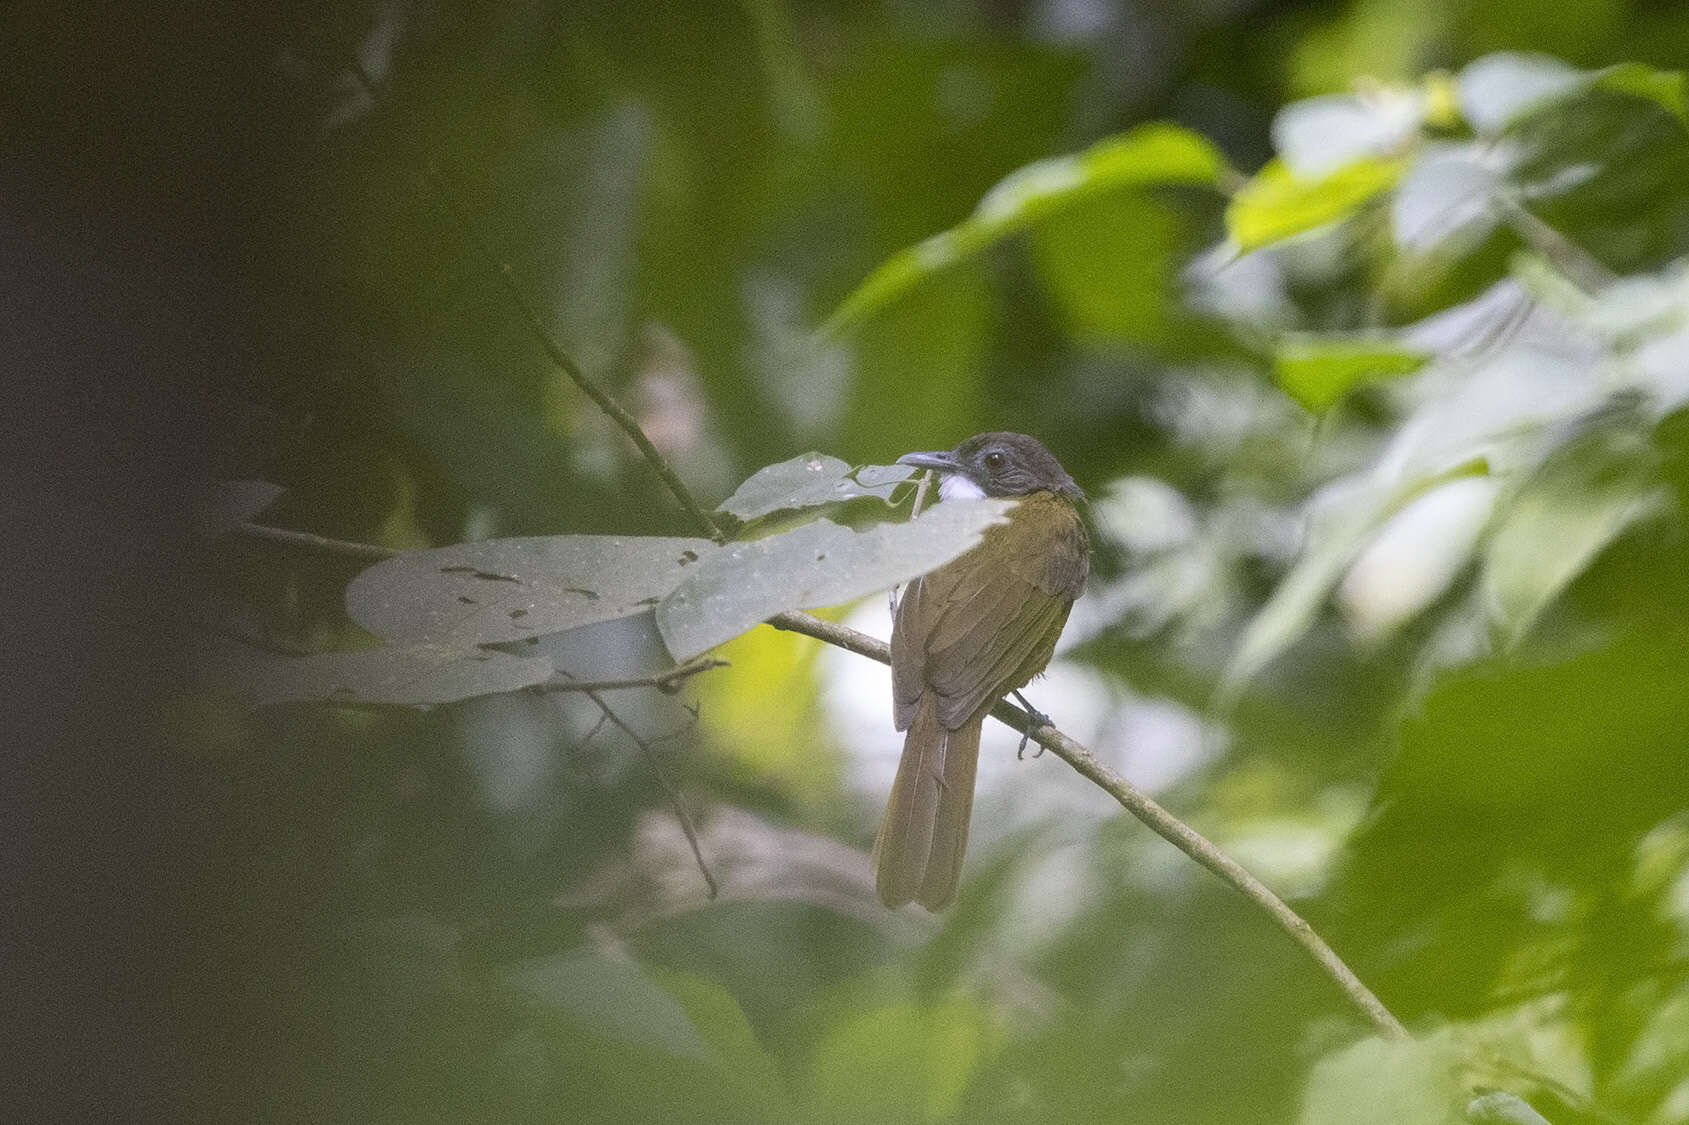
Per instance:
x=978, y=627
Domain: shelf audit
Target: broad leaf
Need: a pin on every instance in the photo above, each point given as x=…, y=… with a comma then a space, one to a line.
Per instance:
x=808, y=480
x=1277, y=203
x=511, y=589
x=1448, y=194
x=415, y=675
x=818, y=564
x=1502, y=89
x=1559, y=522
x=1383, y=1082
x=1318, y=371
x=1498, y=1107
x=1318, y=136
x=1146, y=156
x=614, y=998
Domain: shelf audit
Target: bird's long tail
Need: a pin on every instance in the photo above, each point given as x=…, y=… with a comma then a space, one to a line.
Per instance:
x=918, y=850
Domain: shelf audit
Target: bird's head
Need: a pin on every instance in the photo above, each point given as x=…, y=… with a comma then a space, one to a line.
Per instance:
x=999, y=463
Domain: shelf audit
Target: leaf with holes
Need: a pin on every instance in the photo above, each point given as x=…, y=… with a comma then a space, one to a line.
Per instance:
x=511, y=589
x=818, y=564
x=808, y=480
x=416, y=674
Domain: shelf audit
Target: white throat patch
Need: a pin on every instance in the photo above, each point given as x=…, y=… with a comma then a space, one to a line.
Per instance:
x=955, y=486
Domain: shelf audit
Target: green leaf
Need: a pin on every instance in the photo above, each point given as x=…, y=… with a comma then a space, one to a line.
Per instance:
x=1447, y=195
x=902, y=1063
x=1561, y=519
x=818, y=564
x=719, y=1019
x=1276, y=203
x=1498, y=1107
x=808, y=480
x=1154, y=154
x=614, y=999
x=507, y=590
x=1111, y=265
x=1341, y=520
x=1639, y=80
x=1318, y=371
x=416, y=675
x=1385, y=1082
x=1500, y=90
x=1317, y=136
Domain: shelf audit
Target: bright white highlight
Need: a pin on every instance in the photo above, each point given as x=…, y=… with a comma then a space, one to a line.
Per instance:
x=955, y=486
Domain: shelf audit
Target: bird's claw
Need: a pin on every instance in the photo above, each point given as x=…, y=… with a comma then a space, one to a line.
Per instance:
x=1035, y=719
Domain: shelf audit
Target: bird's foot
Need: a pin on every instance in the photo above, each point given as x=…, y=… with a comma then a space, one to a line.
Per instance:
x=1035, y=719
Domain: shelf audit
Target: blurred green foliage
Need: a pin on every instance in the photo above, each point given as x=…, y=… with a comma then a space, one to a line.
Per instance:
x=1371, y=345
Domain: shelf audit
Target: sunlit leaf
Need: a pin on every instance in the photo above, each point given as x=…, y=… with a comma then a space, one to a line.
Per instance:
x=511, y=589
x=1501, y=89
x=1317, y=136
x=415, y=674
x=817, y=564
x=1277, y=203
x=811, y=479
x=1447, y=194
x=1156, y=154
x=1318, y=371
x=1385, y=1082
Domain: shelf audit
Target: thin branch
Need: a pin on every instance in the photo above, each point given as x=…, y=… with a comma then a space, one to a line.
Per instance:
x=542, y=335
x=309, y=542
x=1140, y=805
x=666, y=682
x=679, y=806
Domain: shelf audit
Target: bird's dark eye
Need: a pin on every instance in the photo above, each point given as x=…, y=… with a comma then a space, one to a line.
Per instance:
x=994, y=460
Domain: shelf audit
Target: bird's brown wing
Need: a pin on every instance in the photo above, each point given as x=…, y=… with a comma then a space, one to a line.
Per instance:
x=987, y=622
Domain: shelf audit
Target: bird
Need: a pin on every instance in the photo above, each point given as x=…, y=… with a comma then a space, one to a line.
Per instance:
x=964, y=635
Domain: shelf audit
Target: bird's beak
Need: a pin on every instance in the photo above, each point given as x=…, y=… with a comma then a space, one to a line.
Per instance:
x=944, y=462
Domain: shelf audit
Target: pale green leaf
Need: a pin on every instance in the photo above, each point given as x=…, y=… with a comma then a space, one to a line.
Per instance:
x=1318, y=371
x=415, y=675
x=507, y=590
x=1381, y=1081
x=1276, y=203
x=1498, y=1107
x=808, y=480
x=817, y=564
x=1502, y=89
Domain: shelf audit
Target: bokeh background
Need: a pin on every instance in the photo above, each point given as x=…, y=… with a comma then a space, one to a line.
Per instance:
x=1459, y=750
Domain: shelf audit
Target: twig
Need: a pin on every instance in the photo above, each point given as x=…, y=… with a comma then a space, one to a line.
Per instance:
x=673, y=794
x=1140, y=805
x=542, y=335
x=309, y=542
x=666, y=682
